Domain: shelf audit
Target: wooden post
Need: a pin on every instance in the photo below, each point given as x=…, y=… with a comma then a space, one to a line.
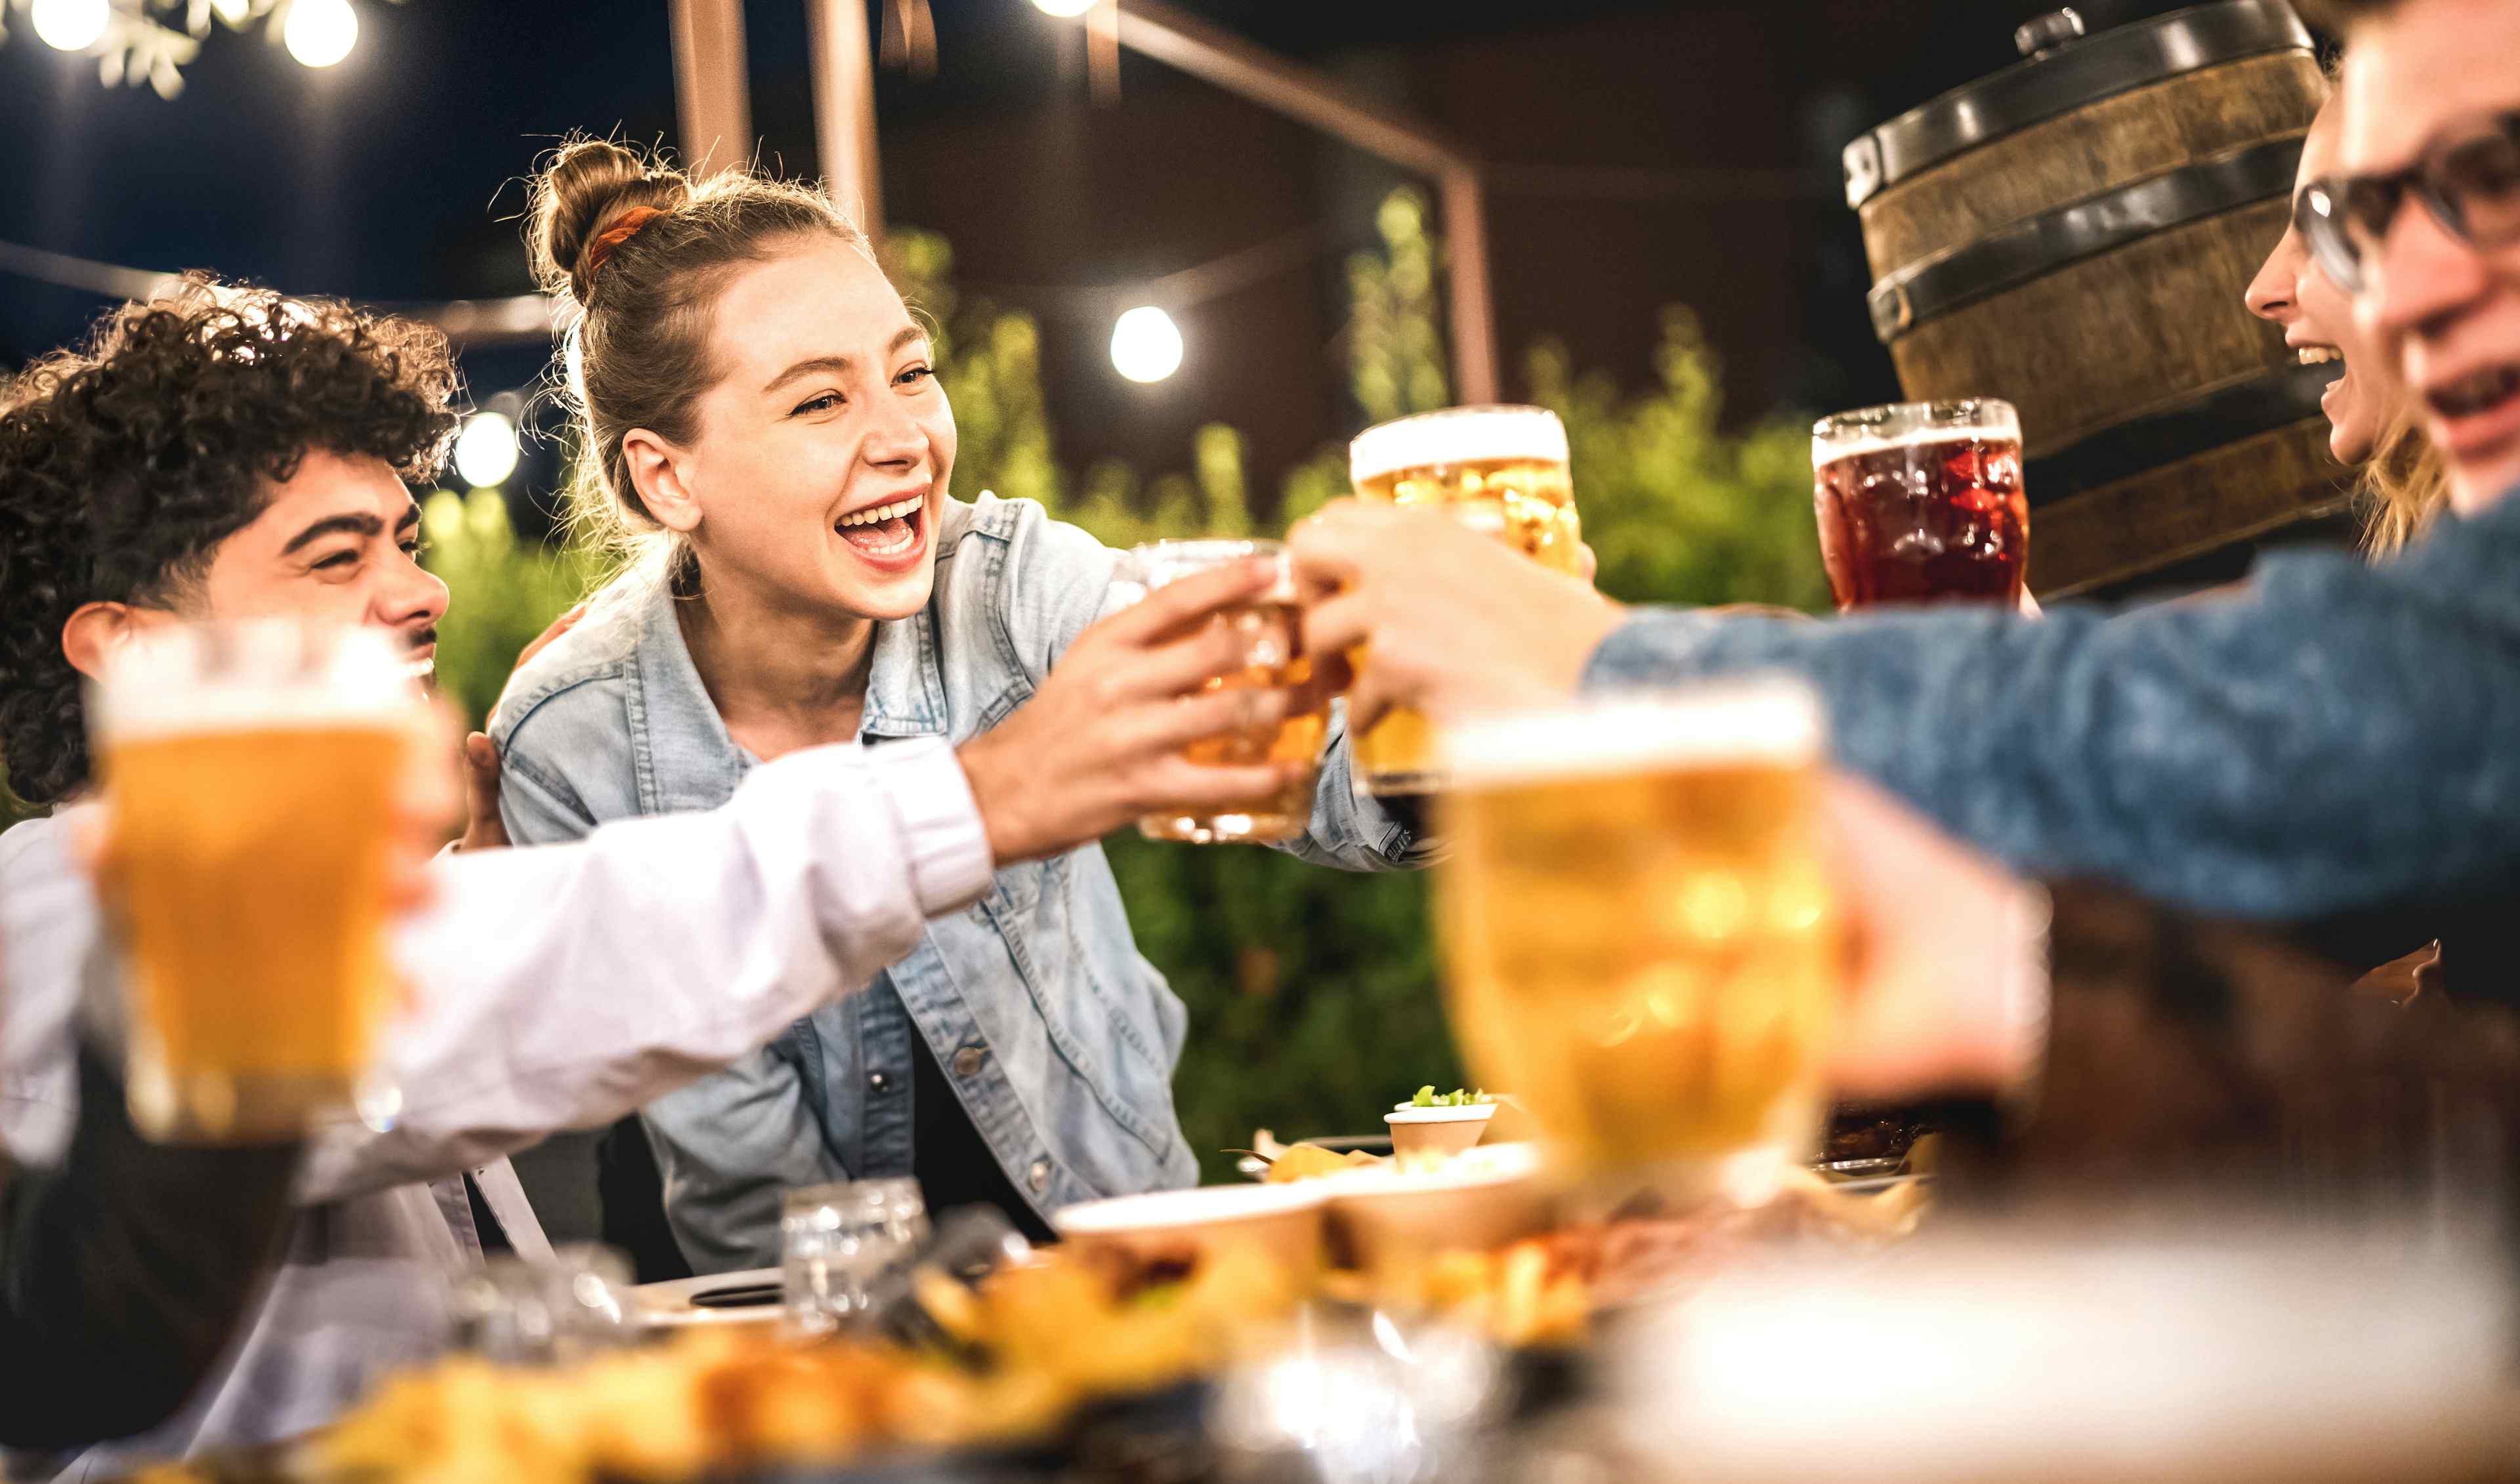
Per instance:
x=710, y=87
x=1471, y=300
x=1159, y=30
x=843, y=68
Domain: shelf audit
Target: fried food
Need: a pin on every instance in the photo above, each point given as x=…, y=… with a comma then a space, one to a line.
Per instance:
x=1310, y=1161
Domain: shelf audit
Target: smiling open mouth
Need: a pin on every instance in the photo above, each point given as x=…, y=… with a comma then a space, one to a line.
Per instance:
x=886, y=530
x=2481, y=391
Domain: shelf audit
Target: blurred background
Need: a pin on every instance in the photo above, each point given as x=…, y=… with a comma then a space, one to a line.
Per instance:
x=1674, y=269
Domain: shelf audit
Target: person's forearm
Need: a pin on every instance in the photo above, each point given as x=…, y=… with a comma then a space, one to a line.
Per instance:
x=564, y=986
x=127, y=1270
x=2335, y=738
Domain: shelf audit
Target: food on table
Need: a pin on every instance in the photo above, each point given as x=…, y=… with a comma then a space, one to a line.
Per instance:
x=1427, y=1096
x=1045, y=1338
x=1280, y=1222
x=1310, y=1161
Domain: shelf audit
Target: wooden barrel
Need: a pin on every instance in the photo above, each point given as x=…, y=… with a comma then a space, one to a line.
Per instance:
x=2074, y=235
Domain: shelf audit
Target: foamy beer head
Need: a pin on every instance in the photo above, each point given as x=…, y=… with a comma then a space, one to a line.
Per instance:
x=1271, y=657
x=1923, y=502
x=253, y=771
x=1499, y=470
x=1639, y=940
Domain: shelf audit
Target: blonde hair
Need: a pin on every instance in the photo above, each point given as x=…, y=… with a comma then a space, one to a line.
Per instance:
x=2402, y=487
x=639, y=356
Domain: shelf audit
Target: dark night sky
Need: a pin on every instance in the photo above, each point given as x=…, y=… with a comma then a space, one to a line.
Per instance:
x=388, y=177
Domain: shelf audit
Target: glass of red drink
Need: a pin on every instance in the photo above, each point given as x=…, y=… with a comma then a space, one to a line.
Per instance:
x=1921, y=502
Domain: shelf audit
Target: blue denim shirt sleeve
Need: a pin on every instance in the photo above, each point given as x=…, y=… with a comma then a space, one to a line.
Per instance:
x=2336, y=735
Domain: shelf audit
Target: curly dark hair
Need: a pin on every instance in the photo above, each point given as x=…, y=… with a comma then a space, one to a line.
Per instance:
x=124, y=464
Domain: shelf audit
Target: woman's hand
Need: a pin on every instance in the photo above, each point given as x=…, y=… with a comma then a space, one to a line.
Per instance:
x=1099, y=744
x=483, y=827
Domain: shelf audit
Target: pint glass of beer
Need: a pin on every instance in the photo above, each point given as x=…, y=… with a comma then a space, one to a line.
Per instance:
x=1500, y=470
x=1921, y=502
x=254, y=769
x=1638, y=931
x=1271, y=657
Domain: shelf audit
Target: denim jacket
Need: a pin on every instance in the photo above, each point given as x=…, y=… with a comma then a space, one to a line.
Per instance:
x=2338, y=736
x=1059, y=1038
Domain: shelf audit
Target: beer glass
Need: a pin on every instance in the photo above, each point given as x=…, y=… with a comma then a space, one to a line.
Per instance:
x=1500, y=470
x=1921, y=502
x=254, y=770
x=1270, y=657
x=1638, y=936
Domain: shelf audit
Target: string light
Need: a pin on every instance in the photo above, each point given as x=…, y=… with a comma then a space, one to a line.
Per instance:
x=320, y=32
x=71, y=25
x=1146, y=344
x=486, y=450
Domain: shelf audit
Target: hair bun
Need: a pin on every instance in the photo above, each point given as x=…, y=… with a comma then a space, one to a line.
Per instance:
x=586, y=188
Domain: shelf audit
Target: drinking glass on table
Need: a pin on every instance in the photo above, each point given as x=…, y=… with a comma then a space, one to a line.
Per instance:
x=837, y=1241
x=254, y=769
x=1271, y=657
x=1921, y=502
x=1639, y=934
x=1499, y=470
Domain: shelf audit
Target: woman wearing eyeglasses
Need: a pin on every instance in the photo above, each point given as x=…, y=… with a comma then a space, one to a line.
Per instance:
x=2334, y=736
x=2374, y=424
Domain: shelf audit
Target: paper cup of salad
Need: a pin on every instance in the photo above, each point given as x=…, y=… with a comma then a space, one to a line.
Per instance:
x=1439, y=1123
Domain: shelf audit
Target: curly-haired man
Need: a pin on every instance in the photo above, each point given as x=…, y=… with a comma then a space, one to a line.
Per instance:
x=230, y=452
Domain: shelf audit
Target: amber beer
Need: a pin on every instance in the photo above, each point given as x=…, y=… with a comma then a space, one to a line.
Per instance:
x=1272, y=657
x=1500, y=470
x=253, y=771
x=1638, y=936
x=1923, y=502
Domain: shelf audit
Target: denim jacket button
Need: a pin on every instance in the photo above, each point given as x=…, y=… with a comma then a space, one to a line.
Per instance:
x=877, y=1081
x=966, y=1062
x=1038, y=1177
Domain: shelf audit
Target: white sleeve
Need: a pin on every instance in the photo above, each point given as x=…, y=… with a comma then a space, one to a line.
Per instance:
x=563, y=986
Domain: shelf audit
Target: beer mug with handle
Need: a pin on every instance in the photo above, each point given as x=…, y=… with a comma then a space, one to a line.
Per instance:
x=1639, y=934
x=1500, y=470
x=254, y=770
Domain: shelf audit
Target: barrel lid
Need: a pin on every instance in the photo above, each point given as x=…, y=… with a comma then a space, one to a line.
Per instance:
x=2068, y=75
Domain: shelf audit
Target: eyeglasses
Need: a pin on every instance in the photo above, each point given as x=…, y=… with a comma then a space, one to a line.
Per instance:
x=2469, y=181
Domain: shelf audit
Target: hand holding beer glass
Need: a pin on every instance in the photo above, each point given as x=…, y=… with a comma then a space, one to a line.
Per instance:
x=1498, y=470
x=256, y=774
x=1923, y=502
x=1639, y=931
x=1272, y=658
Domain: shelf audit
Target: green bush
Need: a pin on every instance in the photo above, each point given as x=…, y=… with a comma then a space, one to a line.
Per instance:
x=1311, y=993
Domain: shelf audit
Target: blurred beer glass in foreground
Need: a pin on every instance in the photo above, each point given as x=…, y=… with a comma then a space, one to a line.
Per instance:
x=1639, y=940
x=1921, y=502
x=1272, y=657
x=1500, y=470
x=254, y=769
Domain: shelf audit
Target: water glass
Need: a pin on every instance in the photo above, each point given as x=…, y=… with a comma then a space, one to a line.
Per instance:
x=837, y=1241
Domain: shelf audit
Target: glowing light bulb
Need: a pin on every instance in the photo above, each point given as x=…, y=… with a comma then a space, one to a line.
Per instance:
x=485, y=450
x=1146, y=344
x=320, y=32
x=72, y=26
x=1065, y=10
